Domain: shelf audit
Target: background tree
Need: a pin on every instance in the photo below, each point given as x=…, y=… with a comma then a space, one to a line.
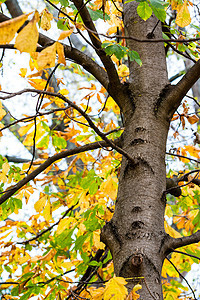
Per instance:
x=78, y=230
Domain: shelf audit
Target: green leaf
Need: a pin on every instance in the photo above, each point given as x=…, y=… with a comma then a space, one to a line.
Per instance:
x=17, y=202
x=94, y=263
x=144, y=10
x=133, y=55
x=114, y=49
x=45, y=126
x=64, y=3
x=157, y=4
x=159, y=13
x=44, y=143
x=26, y=296
x=80, y=240
x=63, y=25
x=91, y=182
x=59, y=142
x=98, y=14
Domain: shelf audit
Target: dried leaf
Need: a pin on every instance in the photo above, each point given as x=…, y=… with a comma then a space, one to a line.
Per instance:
x=61, y=54
x=46, y=58
x=9, y=28
x=65, y=34
x=192, y=119
x=27, y=39
x=46, y=18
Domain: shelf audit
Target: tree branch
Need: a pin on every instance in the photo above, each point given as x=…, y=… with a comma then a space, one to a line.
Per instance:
x=77, y=56
x=12, y=190
x=170, y=243
x=115, y=86
x=83, y=113
x=178, y=92
x=95, y=39
x=49, y=228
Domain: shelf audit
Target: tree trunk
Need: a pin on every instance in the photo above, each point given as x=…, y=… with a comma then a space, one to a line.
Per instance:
x=136, y=231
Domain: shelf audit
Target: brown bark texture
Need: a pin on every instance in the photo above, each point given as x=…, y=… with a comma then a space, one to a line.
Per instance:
x=136, y=232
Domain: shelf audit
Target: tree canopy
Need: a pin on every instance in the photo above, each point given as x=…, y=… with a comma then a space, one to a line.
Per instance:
x=94, y=213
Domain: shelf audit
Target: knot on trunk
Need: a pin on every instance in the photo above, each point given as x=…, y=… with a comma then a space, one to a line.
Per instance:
x=137, y=260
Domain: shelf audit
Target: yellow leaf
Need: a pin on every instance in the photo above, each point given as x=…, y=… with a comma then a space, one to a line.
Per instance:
x=37, y=83
x=65, y=34
x=46, y=19
x=67, y=265
x=63, y=224
x=123, y=70
x=3, y=178
x=183, y=15
x=115, y=289
x=109, y=187
x=61, y=54
x=133, y=295
x=35, y=258
x=96, y=240
x=40, y=204
x=172, y=232
x=111, y=104
x=2, y=112
x=9, y=28
x=168, y=211
x=47, y=213
x=49, y=255
x=5, y=168
x=174, y=4
x=46, y=58
x=27, y=39
x=24, y=259
x=23, y=72
x=97, y=294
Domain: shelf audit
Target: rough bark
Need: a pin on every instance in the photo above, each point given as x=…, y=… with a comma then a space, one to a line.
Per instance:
x=136, y=232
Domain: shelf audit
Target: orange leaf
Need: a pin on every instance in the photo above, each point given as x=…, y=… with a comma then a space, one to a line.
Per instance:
x=192, y=119
x=61, y=54
x=65, y=34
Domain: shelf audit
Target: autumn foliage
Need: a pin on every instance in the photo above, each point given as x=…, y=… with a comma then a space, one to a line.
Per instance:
x=55, y=251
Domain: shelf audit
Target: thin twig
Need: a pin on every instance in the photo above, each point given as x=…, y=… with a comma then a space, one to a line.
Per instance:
x=145, y=40
x=148, y=289
x=87, y=118
x=182, y=156
x=182, y=277
x=185, y=253
x=49, y=228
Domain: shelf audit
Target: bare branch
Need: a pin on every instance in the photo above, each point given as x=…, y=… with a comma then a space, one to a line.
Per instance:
x=182, y=156
x=174, y=243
